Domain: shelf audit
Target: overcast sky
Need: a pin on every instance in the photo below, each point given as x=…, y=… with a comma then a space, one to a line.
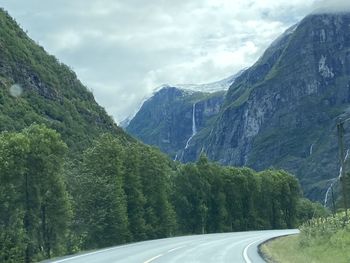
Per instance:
x=124, y=49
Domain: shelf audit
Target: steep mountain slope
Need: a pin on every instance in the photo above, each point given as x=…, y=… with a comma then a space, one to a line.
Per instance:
x=282, y=111
x=221, y=85
x=170, y=118
x=45, y=91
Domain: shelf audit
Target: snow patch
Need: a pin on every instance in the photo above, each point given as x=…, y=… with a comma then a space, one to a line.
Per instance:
x=213, y=86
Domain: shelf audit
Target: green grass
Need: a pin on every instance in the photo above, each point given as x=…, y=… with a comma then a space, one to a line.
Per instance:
x=242, y=98
x=289, y=250
x=320, y=241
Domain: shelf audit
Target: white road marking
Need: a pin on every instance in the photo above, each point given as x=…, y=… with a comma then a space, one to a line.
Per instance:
x=176, y=248
x=245, y=252
x=84, y=255
x=151, y=259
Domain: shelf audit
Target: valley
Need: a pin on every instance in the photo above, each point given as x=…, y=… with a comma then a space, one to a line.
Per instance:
x=202, y=172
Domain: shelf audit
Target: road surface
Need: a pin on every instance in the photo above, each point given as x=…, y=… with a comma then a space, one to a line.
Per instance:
x=217, y=248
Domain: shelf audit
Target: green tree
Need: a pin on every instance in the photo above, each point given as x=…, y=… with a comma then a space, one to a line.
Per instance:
x=30, y=165
x=155, y=175
x=102, y=200
x=47, y=207
x=13, y=151
x=212, y=176
x=135, y=198
x=290, y=194
x=307, y=210
x=233, y=186
x=191, y=200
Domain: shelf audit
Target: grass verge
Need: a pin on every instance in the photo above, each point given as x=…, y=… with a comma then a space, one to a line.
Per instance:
x=291, y=249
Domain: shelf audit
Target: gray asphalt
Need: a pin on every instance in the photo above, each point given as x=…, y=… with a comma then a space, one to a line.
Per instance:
x=219, y=248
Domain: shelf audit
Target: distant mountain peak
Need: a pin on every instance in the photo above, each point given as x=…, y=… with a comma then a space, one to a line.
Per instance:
x=187, y=89
x=215, y=86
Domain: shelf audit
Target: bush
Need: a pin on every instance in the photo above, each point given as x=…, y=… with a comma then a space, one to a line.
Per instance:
x=333, y=230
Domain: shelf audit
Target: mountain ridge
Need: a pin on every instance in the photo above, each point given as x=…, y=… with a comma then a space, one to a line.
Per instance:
x=211, y=87
x=286, y=104
x=49, y=92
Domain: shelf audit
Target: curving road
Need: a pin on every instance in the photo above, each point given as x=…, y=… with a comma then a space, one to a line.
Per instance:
x=219, y=248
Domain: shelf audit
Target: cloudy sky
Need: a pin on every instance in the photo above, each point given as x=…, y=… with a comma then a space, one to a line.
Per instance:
x=124, y=49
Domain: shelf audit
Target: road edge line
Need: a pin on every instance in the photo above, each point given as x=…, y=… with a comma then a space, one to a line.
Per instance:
x=83, y=255
x=151, y=259
x=261, y=254
x=245, y=251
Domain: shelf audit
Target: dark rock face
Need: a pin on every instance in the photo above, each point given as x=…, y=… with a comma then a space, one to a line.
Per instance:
x=281, y=112
x=166, y=119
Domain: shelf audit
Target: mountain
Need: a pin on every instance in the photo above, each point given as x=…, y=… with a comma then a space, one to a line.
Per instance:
x=172, y=115
x=220, y=85
x=212, y=87
x=282, y=111
x=36, y=88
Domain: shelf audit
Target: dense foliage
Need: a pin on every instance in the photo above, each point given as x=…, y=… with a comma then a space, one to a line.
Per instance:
x=322, y=240
x=50, y=92
x=120, y=192
x=333, y=231
x=211, y=198
x=34, y=205
x=75, y=181
x=127, y=188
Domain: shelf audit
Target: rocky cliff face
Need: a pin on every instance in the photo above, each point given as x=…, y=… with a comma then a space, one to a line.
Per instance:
x=171, y=117
x=282, y=111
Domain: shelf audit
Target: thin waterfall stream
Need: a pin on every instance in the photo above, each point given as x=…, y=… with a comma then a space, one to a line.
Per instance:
x=194, y=132
x=334, y=180
x=311, y=149
x=194, y=127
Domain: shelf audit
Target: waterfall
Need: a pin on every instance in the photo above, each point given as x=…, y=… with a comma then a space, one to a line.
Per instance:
x=334, y=180
x=346, y=155
x=311, y=148
x=330, y=188
x=175, y=159
x=194, y=127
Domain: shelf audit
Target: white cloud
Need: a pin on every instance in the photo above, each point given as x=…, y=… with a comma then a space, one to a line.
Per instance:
x=66, y=40
x=331, y=6
x=125, y=49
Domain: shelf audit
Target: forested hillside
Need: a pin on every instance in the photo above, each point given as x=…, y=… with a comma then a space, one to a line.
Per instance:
x=36, y=87
x=71, y=180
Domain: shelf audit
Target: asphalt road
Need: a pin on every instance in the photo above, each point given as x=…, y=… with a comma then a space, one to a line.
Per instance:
x=217, y=248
